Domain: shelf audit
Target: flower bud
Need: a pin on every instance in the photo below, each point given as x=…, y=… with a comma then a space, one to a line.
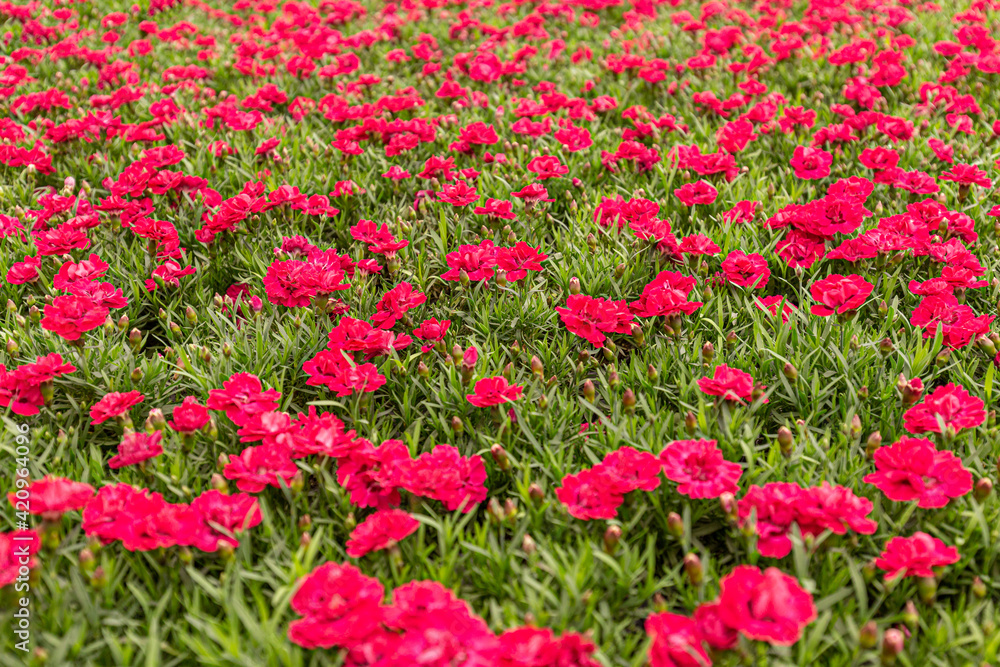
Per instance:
x=528, y=545
x=854, y=428
x=501, y=278
x=456, y=424
x=785, y=440
x=675, y=525
x=155, y=421
x=731, y=340
x=463, y=277
x=651, y=374
x=691, y=423
x=620, y=270
x=943, y=358
x=122, y=323
x=99, y=578
x=983, y=488
x=910, y=615
x=589, y=391
x=227, y=350
x=574, y=285
x=592, y=242
x=612, y=536
x=87, y=561
x=500, y=456
x=494, y=511
x=422, y=370
x=692, y=566
x=728, y=503
x=978, y=588
x=537, y=369
x=868, y=637
x=613, y=378
x=297, y=484
x=873, y=443
x=927, y=587
x=707, y=354
x=12, y=347
x=136, y=374
x=790, y=372
x=892, y=645
x=536, y=493
x=628, y=402
x=638, y=335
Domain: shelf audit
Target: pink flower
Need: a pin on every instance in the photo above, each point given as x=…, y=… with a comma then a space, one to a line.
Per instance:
x=839, y=294
x=811, y=163
x=380, y=531
x=913, y=469
x=494, y=391
x=699, y=469
x=746, y=270
x=52, y=496
x=954, y=406
x=137, y=447
x=699, y=192
x=915, y=556
x=676, y=642
x=189, y=416
x=730, y=384
x=591, y=318
x=767, y=606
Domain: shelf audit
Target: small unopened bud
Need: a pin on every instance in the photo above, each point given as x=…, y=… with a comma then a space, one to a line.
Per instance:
x=456, y=424
x=651, y=373
x=790, y=372
x=659, y=603
x=983, y=488
x=885, y=347
x=731, y=340
x=122, y=323
x=305, y=540
x=638, y=335
x=494, y=511
x=422, y=370
x=614, y=379
x=574, y=285
x=350, y=522
x=219, y=483
x=927, y=587
x=855, y=428
x=99, y=578
x=690, y=422
x=297, y=484
x=155, y=421
x=612, y=536
x=500, y=456
x=87, y=561
x=883, y=308
x=536, y=493
x=892, y=645
x=910, y=615
x=620, y=271
x=592, y=242
x=692, y=567
x=12, y=347
x=675, y=525
x=707, y=353
x=868, y=637
x=943, y=358
x=227, y=350
x=873, y=443
x=501, y=278
x=785, y=440
x=463, y=277
x=537, y=369
x=728, y=503
x=589, y=391
x=628, y=402
x=136, y=374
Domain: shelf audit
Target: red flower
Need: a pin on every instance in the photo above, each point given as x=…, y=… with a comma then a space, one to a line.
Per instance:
x=839, y=294
x=52, y=496
x=476, y=260
x=590, y=494
x=699, y=468
x=954, y=406
x=137, y=447
x=331, y=369
x=772, y=304
x=967, y=174
x=341, y=607
x=811, y=163
x=746, y=270
x=676, y=642
x=242, y=397
x=730, y=384
x=500, y=209
x=169, y=274
x=433, y=331
x=24, y=389
x=478, y=134
x=256, y=468
x=591, y=318
x=713, y=629
x=395, y=303
x=540, y=647
x=742, y=212
x=458, y=194
x=697, y=244
x=666, y=296
x=24, y=272
x=628, y=470
x=85, y=271
x=699, y=192
x=113, y=405
x=546, y=166
x=72, y=316
x=189, y=416
x=17, y=550
x=380, y=531
x=915, y=556
x=369, y=473
x=532, y=193
x=913, y=469
x=520, y=259
x=767, y=606
x=494, y=391
x=444, y=474
x=222, y=517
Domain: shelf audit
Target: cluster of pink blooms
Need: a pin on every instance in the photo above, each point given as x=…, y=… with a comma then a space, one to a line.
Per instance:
x=423, y=623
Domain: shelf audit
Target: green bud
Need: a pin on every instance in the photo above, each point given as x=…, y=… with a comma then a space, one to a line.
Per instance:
x=868, y=637
x=693, y=568
x=675, y=525
x=612, y=536
x=589, y=391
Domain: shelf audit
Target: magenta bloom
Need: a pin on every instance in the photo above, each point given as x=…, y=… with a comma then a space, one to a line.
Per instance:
x=699, y=469
x=913, y=469
x=137, y=447
x=811, y=163
x=954, y=406
x=591, y=318
x=189, y=416
x=699, y=192
x=914, y=556
x=114, y=404
x=839, y=294
x=380, y=531
x=767, y=606
x=494, y=391
x=730, y=384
